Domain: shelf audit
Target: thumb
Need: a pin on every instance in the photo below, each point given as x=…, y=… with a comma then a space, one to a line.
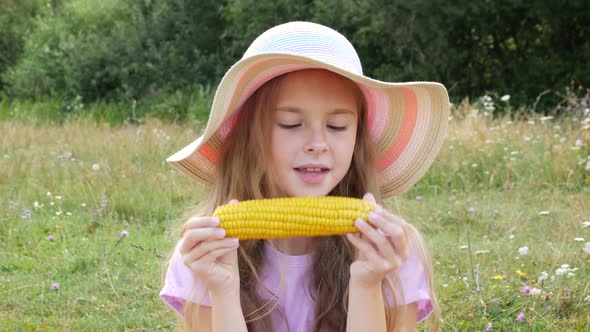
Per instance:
x=233, y=201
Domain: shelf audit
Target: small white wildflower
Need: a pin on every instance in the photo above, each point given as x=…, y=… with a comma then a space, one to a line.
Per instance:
x=505, y=98
x=6, y=156
x=511, y=236
x=463, y=247
x=96, y=167
x=579, y=142
x=513, y=153
x=48, y=193
x=479, y=252
x=83, y=205
x=36, y=204
x=474, y=165
x=587, y=298
x=570, y=274
x=535, y=291
x=51, y=203
x=586, y=224
x=563, y=139
x=57, y=197
x=69, y=213
x=544, y=213
x=523, y=250
x=579, y=239
x=565, y=266
x=58, y=213
x=447, y=285
x=526, y=138
x=588, y=166
x=587, y=248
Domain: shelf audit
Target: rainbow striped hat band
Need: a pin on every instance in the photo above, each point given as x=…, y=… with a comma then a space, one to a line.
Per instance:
x=407, y=121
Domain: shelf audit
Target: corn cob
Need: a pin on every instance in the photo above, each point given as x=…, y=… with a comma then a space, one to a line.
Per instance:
x=290, y=217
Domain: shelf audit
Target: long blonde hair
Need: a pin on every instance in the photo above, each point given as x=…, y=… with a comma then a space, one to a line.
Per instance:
x=243, y=174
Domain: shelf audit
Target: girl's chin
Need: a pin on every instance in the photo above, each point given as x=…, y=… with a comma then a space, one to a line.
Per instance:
x=305, y=192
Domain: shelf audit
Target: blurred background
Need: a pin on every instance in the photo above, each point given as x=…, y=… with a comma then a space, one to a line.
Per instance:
x=163, y=54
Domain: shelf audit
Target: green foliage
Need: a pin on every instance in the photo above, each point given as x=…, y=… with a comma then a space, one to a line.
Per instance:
x=135, y=49
x=108, y=49
x=188, y=105
x=16, y=22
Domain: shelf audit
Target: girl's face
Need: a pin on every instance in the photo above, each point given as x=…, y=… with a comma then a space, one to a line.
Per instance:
x=313, y=132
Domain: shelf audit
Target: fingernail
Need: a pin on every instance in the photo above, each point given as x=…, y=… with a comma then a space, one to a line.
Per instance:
x=359, y=223
x=215, y=221
x=372, y=215
x=378, y=209
x=235, y=240
x=220, y=232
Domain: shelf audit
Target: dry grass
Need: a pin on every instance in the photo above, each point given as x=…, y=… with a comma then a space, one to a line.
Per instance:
x=497, y=186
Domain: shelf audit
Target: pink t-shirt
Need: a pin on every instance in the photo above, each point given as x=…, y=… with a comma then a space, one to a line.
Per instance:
x=294, y=296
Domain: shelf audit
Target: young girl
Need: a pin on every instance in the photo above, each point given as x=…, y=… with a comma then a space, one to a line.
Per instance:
x=296, y=117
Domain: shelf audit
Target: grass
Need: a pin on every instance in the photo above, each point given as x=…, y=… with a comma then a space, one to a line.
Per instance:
x=497, y=186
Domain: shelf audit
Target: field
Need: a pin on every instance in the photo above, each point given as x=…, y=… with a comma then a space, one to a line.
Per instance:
x=89, y=213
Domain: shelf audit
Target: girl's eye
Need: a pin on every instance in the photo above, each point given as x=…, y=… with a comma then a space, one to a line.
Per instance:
x=284, y=126
x=336, y=128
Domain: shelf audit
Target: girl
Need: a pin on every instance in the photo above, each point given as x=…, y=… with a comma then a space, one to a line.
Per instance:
x=296, y=117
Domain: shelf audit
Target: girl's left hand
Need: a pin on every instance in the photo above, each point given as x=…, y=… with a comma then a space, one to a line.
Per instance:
x=382, y=245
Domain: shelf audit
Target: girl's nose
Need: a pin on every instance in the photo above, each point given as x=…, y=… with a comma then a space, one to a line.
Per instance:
x=317, y=143
x=316, y=146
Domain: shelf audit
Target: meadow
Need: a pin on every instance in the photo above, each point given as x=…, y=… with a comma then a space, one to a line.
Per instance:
x=89, y=212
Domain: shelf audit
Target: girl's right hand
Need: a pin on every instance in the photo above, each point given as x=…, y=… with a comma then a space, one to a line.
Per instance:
x=211, y=256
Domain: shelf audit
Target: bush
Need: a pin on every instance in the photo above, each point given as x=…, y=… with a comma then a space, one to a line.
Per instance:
x=115, y=49
x=16, y=22
x=133, y=49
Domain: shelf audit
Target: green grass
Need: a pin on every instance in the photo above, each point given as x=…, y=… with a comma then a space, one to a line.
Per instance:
x=114, y=178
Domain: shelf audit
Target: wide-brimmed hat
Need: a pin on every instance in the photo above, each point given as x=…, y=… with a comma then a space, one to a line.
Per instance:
x=406, y=121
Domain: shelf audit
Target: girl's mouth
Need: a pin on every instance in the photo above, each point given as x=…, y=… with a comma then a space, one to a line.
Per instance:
x=312, y=169
x=312, y=175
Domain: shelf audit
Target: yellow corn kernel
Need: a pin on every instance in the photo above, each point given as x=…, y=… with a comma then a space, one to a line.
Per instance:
x=290, y=217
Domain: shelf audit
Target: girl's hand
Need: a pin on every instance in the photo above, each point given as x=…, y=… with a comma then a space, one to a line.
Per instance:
x=210, y=255
x=383, y=248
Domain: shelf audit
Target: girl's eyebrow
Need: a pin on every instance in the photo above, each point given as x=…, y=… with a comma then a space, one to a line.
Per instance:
x=292, y=109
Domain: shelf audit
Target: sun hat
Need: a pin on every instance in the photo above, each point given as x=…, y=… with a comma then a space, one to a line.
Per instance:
x=406, y=121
